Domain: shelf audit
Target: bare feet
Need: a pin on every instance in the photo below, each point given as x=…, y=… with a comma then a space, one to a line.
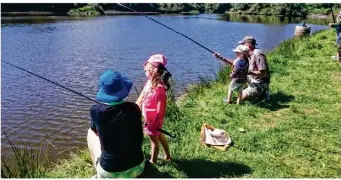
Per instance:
x=152, y=162
x=168, y=159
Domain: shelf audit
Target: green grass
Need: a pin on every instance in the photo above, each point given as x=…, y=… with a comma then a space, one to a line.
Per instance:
x=26, y=162
x=295, y=134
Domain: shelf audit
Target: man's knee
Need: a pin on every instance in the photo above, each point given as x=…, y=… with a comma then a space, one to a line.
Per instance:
x=249, y=92
x=252, y=92
x=94, y=145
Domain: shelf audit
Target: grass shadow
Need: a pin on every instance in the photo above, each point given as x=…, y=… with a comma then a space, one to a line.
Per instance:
x=198, y=168
x=276, y=101
x=153, y=172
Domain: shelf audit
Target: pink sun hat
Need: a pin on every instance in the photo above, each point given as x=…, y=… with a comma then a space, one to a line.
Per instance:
x=155, y=59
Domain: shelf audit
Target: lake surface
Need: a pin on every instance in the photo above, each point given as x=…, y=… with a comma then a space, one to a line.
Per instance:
x=75, y=51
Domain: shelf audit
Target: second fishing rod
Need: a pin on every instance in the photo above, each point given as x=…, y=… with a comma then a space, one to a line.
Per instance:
x=229, y=61
x=71, y=90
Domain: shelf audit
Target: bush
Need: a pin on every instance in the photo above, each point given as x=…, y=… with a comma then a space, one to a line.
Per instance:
x=194, y=12
x=86, y=10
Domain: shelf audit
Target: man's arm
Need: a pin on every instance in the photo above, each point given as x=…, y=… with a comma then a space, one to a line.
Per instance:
x=258, y=73
x=261, y=66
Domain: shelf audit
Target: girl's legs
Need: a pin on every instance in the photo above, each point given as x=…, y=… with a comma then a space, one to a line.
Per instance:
x=155, y=148
x=165, y=146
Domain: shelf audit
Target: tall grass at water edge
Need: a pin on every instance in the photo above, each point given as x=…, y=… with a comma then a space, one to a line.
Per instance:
x=294, y=134
x=26, y=163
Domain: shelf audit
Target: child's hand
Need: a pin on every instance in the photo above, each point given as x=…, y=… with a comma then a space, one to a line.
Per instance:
x=217, y=55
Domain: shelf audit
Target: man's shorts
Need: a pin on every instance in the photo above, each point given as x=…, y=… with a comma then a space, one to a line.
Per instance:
x=234, y=86
x=256, y=89
x=130, y=173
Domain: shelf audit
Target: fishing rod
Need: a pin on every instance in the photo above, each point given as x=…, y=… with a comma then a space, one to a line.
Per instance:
x=167, y=27
x=78, y=93
x=331, y=9
x=219, y=56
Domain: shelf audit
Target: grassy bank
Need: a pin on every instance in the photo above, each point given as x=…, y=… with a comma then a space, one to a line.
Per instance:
x=295, y=134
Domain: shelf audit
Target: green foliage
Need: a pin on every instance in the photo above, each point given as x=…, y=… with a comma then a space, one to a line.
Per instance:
x=85, y=10
x=213, y=8
x=240, y=6
x=194, y=12
x=323, y=9
x=171, y=7
x=270, y=9
x=223, y=75
x=255, y=9
x=78, y=165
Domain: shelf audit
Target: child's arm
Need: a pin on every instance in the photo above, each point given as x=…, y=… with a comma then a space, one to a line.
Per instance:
x=225, y=60
x=142, y=94
x=334, y=25
x=140, y=99
x=160, y=105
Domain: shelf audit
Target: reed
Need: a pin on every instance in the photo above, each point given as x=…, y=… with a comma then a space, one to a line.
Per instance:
x=26, y=163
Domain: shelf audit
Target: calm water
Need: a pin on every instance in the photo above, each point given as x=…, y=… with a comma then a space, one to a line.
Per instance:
x=74, y=52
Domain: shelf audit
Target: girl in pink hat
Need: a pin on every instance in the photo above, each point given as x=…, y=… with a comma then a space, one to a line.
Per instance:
x=153, y=101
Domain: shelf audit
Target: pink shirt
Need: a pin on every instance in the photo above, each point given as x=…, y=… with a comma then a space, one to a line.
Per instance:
x=154, y=107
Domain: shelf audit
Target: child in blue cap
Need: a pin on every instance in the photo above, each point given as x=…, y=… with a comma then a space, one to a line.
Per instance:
x=116, y=135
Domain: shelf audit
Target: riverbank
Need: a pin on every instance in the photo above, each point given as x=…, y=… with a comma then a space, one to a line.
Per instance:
x=30, y=13
x=295, y=134
x=113, y=12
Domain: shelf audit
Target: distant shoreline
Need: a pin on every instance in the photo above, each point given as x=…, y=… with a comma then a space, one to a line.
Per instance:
x=113, y=13
x=47, y=13
x=30, y=13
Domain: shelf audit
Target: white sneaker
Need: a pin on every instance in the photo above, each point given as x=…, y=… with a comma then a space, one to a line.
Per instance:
x=225, y=101
x=334, y=57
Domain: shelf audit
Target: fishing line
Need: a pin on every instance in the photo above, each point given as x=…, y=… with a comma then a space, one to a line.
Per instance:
x=80, y=94
x=220, y=57
x=167, y=27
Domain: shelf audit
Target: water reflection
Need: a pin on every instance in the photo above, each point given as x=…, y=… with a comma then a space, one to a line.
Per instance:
x=227, y=17
x=41, y=19
x=272, y=19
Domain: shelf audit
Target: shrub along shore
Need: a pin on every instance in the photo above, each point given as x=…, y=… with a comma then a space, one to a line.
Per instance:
x=294, y=134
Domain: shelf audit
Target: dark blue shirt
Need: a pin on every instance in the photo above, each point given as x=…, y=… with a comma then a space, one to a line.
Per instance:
x=240, y=70
x=119, y=128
